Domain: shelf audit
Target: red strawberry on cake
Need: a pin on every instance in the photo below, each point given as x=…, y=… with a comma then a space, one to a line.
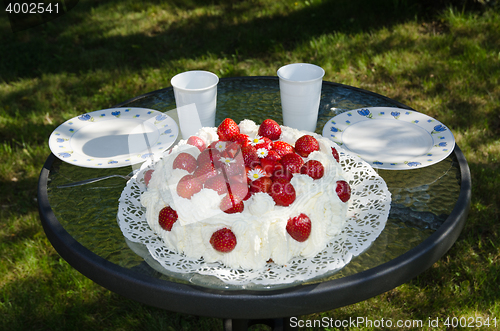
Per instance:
x=223, y=240
x=167, y=218
x=270, y=129
x=282, y=192
x=250, y=156
x=299, y=227
x=343, y=190
x=313, y=169
x=305, y=145
x=185, y=161
x=282, y=148
x=227, y=129
x=292, y=162
x=232, y=204
x=196, y=142
x=188, y=186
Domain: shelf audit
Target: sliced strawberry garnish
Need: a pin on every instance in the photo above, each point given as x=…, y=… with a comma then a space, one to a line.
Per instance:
x=239, y=190
x=196, y=142
x=270, y=129
x=185, y=161
x=188, y=186
x=313, y=169
x=231, y=204
x=167, y=218
x=282, y=192
x=227, y=129
x=343, y=190
x=335, y=154
x=205, y=171
x=250, y=156
x=223, y=240
x=262, y=184
x=217, y=183
x=234, y=168
x=299, y=227
x=305, y=145
x=282, y=148
x=205, y=157
x=292, y=162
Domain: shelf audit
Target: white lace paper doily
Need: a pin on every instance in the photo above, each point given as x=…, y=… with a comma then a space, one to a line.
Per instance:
x=368, y=210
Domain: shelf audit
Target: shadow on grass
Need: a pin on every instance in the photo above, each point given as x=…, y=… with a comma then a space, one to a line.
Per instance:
x=67, y=45
x=59, y=298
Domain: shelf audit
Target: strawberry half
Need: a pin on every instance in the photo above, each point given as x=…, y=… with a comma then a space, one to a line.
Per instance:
x=223, y=240
x=196, y=142
x=270, y=129
x=313, y=169
x=282, y=192
x=204, y=157
x=343, y=190
x=167, y=218
x=239, y=190
x=185, y=161
x=188, y=186
x=305, y=145
x=227, y=129
x=217, y=183
x=205, y=171
x=231, y=204
x=299, y=227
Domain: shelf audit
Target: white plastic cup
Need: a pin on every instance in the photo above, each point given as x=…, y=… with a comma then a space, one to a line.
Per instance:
x=300, y=90
x=197, y=87
x=189, y=120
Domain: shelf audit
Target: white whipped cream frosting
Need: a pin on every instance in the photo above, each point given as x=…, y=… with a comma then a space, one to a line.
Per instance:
x=260, y=229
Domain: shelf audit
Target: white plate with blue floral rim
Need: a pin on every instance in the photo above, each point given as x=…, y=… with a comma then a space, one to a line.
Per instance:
x=391, y=138
x=115, y=137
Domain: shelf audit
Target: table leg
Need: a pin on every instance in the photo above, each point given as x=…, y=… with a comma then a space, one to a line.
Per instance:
x=277, y=324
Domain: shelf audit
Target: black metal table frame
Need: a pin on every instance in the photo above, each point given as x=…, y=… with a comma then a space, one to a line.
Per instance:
x=247, y=307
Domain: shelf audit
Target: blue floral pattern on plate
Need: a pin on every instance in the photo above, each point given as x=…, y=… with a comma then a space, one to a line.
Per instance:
x=441, y=138
x=65, y=141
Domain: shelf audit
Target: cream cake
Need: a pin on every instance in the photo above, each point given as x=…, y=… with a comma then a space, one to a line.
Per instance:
x=248, y=194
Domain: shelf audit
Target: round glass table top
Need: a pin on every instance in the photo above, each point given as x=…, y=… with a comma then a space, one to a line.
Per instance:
x=428, y=209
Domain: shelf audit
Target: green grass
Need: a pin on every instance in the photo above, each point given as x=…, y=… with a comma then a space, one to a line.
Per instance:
x=441, y=60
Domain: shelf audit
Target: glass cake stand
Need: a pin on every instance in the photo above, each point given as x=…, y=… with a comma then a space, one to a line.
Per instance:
x=428, y=210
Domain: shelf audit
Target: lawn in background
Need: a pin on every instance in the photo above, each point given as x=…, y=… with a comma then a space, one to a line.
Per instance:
x=441, y=58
